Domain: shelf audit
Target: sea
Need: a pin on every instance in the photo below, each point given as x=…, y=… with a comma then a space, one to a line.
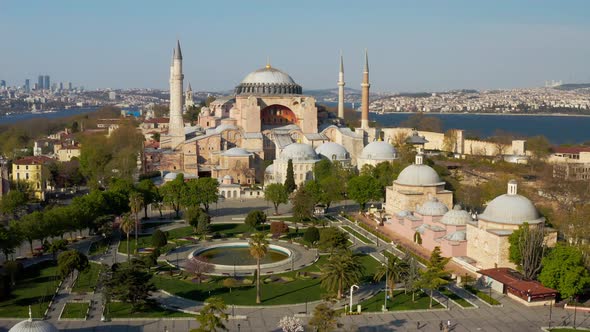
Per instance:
x=559, y=129
x=59, y=113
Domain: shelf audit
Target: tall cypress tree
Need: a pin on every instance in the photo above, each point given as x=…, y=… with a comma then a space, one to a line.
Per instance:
x=290, y=180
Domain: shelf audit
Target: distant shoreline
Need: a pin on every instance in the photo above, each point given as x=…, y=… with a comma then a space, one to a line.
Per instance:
x=494, y=114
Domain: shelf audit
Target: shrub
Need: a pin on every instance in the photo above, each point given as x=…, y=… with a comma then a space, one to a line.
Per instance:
x=312, y=235
x=159, y=239
x=277, y=228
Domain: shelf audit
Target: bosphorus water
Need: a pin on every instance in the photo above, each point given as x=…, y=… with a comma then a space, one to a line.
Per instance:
x=13, y=118
x=559, y=129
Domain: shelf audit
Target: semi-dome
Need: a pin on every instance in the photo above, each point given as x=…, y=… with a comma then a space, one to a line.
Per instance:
x=379, y=150
x=433, y=207
x=268, y=80
x=270, y=169
x=332, y=151
x=237, y=152
x=456, y=236
x=418, y=174
x=298, y=152
x=30, y=325
x=511, y=208
x=456, y=216
x=224, y=126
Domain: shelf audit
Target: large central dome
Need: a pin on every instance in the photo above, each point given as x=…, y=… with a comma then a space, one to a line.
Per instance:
x=268, y=81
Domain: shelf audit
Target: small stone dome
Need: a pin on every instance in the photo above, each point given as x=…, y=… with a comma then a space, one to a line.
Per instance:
x=270, y=169
x=224, y=126
x=511, y=208
x=433, y=207
x=228, y=177
x=456, y=236
x=379, y=150
x=298, y=152
x=206, y=111
x=237, y=152
x=456, y=216
x=418, y=174
x=30, y=325
x=332, y=151
x=170, y=176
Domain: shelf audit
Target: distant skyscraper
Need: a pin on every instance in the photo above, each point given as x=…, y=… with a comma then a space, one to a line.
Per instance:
x=40, y=85
x=70, y=86
x=61, y=86
x=2, y=84
x=46, y=83
x=27, y=85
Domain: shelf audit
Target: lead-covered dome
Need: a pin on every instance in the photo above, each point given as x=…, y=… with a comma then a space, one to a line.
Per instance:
x=332, y=151
x=456, y=216
x=432, y=207
x=379, y=150
x=511, y=208
x=237, y=152
x=298, y=152
x=418, y=174
x=268, y=80
x=30, y=325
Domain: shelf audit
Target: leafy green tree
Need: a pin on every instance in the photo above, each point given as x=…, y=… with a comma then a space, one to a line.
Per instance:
x=394, y=270
x=290, y=185
x=527, y=248
x=564, y=270
x=10, y=239
x=324, y=318
x=71, y=260
x=434, y=276
x=29, y=226
x=311, y=235
x=322, y=169
x=172, y=193
x=332, y=190
x=95, y=155
x=148, y=192
x=314, y=190
x=198, y=219
x=159, y=239
x=212, y=317
x=539, y=147
x=131, y=283
x=420, y=121
x=258, y=249
x=333, y=239
x=255, y=218
x=14, y=269
x=342, y=270
x=13, y=202
x=364, y=189
x=56, y=246
x=411, y=279
x=303, y=205
x=277, y=194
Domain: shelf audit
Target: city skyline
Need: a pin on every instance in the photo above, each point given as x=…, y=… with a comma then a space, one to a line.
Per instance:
x=413, y=47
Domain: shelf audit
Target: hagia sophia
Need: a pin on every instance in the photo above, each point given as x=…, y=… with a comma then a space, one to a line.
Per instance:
x=248, y=138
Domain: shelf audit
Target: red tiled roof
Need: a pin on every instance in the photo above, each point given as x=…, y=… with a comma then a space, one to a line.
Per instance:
x=512, y=278
x=571, y=149
x=32, y=160
x=157, y=120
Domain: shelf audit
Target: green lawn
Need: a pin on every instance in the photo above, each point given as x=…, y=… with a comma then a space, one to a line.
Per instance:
x=87, y=280
x=358, y=235
x=75, y=310
x=461, y=301
x=124, y=310
x=34, y=289
x=484, y=296
x=399, y=301
x=299, y=290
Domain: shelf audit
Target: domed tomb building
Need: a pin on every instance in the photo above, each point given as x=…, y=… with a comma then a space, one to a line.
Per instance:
x=487, y=237
x=303, y=157
x=376, y=152
x=414, y=186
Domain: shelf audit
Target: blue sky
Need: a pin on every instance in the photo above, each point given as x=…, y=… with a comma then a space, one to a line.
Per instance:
x=413, y=45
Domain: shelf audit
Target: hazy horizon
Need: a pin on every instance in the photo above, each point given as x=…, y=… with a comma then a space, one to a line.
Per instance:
x=425, y=46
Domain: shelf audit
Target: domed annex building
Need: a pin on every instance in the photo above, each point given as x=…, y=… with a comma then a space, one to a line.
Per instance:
x=303, y=158
x=33, y=325
x=414, y=186
x=488, y=244
x=375, y=153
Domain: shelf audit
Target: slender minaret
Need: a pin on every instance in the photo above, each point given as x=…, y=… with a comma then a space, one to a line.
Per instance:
x=176, y=126
x=341, y=89
x=365, y=95
x=188, y=98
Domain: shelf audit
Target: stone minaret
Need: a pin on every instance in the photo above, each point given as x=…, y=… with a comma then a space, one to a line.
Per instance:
x=188, y=98
x=341, y=89
x=176, y=127
x=365, y=95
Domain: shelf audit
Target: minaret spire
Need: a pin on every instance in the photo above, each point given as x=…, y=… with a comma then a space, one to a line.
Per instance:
x=341, y=88
x=177, y=51
x=365, y=94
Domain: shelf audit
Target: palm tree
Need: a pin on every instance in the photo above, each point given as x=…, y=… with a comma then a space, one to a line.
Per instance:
x=211, y=317
x=127, y=226
x=136, y=204
x=394, y=270
x=258, y=249
x=343, y=269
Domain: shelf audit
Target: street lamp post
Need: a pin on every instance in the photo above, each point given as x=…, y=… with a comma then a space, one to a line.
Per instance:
x=352, y=288
x=386, y=280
